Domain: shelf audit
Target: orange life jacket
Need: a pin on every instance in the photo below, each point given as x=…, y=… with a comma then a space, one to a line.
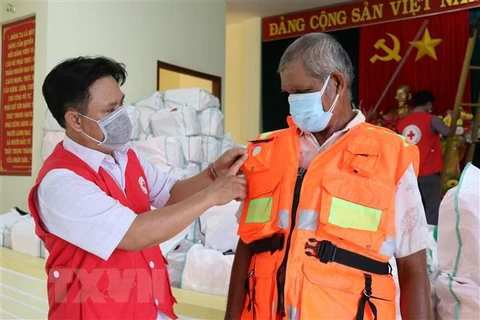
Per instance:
x=317, y=234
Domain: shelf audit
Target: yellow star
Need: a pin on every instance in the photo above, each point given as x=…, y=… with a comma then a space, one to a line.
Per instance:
x=426, y=46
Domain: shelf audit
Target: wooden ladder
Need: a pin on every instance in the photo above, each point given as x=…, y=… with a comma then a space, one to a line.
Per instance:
x=466, y=68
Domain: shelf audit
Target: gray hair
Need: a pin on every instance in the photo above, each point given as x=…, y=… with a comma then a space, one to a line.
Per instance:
x=321, y=55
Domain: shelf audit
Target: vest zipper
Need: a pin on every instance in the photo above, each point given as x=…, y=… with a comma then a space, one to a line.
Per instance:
x=282, y=271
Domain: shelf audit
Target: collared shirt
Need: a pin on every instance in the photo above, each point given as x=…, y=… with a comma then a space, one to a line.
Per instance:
x=79, y=212
x=410, y=222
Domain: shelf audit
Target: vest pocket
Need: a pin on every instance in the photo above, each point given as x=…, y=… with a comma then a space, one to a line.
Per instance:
x=260, y=287
x=334, y=292
x=355, y=209
x=259, y=156
x=361, y=159
x=260, y=210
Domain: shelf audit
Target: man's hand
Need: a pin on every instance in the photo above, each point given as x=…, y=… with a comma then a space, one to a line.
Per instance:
x=229, y=187
x=226, y=160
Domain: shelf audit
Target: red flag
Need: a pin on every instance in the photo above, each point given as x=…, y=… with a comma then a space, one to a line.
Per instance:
x=434, y=64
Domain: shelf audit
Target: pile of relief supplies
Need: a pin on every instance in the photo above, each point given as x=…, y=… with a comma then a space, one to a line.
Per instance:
x=181, y=131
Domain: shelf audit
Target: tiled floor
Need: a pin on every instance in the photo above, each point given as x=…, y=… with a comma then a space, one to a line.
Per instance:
x=23, y=292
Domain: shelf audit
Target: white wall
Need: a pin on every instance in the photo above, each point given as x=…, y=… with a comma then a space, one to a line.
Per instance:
x=243, y=80
x=189, y=34
x=14, y=189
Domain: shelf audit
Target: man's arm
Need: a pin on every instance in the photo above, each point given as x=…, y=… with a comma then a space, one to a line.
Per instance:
x=415, y=300
x=439, y=126
x=236, y=291
x=159, y=225
x=185, y=188
x=411, y=240
x=79, y=212
x=156, y=226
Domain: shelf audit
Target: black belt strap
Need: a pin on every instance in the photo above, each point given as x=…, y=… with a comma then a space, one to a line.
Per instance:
x=326, y=252
x=270, y=244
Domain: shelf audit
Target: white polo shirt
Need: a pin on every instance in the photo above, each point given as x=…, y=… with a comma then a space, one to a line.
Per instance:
x=79, y=212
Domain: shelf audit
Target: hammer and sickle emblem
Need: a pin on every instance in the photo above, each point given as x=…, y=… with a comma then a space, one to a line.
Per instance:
x=392, y=53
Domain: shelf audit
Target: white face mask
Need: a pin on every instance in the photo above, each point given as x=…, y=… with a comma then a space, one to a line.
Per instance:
x=308, y=112
x=116, y=128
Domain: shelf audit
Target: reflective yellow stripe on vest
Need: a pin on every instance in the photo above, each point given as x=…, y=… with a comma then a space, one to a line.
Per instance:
x=347, y=214
x=259, y=210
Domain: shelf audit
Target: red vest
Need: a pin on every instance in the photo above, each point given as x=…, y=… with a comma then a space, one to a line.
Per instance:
x=129, y=285
x=416, y=128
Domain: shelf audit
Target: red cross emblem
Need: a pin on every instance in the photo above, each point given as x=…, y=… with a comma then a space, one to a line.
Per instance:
x=412, y=133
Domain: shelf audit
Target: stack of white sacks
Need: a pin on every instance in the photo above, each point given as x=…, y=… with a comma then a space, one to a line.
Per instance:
x=18, y=233
x=182, y=131
x=458, y=282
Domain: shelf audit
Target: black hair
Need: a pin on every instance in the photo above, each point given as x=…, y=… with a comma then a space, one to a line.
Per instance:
x=67, y=85
x=423, y=97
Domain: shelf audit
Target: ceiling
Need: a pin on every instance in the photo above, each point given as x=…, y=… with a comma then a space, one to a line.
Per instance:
x=239, y=10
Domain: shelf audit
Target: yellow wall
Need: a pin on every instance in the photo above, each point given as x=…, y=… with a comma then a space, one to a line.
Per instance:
x=187, y=81
x=187, y=34
x=173, y=80
x=242, y=74
x=168, y=80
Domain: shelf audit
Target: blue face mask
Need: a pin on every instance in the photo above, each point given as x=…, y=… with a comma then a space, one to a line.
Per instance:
x=308, y=112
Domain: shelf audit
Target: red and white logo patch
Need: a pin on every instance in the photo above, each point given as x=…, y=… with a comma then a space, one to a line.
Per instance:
x=412, y=133
x=143, y=185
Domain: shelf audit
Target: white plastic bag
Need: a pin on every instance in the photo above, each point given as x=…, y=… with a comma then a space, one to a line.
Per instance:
x=458, y=285
x=145, y=114
x=192, y=148
x=134, y=114
x=458, y=298
x=459, y=228
x=7, y=221
x=161, y=150
x=153, y=101
x=211, y=122
x=212, y=148
x=191, y=169
x=227, y=143
x=50, y=141
x=219, y=225
x=175, y=122
x=204, y=165
x=187, y=233
x=176, y=258
x=192, y=97
x=24, y=239
x=207, y=270
x=50, y=124
x=432, y=265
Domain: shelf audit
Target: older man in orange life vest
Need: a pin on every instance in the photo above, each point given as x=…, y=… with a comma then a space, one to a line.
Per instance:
x=330, y=201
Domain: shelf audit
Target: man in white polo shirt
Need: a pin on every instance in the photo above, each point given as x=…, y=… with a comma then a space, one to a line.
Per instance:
x=93, y=196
